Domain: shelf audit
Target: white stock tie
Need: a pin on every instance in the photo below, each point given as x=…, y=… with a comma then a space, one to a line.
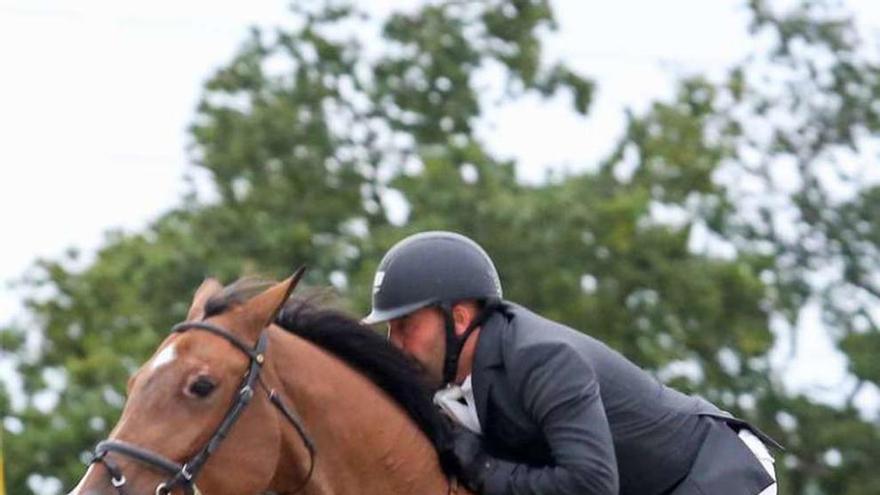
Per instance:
x=458, y=403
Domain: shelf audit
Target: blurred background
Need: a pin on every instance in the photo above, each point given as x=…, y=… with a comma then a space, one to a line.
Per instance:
x=695, y=183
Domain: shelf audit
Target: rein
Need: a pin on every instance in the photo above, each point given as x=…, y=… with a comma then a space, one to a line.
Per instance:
x=184, y=475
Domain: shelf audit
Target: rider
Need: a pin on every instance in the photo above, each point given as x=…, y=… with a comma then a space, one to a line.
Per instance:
x=541, y=408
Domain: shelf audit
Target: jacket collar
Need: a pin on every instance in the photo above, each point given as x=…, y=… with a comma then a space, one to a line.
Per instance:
x=488, y=360
x=488, y=352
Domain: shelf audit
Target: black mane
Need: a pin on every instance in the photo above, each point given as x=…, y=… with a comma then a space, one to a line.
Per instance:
x=372, y=355
x=364, y=350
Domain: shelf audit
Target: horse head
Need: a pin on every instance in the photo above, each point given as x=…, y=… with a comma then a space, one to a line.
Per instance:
x=183, y=402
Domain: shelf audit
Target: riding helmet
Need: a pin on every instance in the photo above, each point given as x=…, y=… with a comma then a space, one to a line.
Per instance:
x=431, y=268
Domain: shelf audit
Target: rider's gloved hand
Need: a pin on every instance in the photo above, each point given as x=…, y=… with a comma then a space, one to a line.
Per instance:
x=478, y=471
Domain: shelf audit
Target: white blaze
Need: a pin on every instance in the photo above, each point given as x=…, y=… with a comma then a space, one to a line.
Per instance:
x=164, y=357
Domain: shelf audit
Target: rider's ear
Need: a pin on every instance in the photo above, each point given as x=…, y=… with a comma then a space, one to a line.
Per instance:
x=209, y=288
x=261, y=310
x=462, y=314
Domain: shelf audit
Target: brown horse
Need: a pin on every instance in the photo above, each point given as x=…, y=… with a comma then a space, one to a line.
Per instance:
x=235, y=404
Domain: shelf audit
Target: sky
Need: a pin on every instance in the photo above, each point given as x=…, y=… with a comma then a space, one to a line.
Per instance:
x=96, y=97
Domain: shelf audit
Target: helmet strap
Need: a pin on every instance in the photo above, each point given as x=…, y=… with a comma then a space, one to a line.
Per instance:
x=454, y=344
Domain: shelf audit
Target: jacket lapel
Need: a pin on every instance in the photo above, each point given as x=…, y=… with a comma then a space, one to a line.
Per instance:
x=487, y=358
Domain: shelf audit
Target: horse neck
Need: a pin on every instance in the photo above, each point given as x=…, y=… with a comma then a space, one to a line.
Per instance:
x=365, y=442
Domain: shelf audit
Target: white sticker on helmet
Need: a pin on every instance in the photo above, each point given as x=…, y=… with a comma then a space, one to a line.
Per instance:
x=377, y=282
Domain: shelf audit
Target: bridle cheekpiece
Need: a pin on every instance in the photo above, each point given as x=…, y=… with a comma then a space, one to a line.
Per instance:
x=184, y=475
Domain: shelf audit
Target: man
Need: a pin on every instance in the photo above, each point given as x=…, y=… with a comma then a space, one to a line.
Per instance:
x=541, y=408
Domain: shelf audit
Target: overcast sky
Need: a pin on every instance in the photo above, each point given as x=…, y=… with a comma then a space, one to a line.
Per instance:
x=96, y=96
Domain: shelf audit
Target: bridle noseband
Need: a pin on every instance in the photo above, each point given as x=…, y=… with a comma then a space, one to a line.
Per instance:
x=184, y=475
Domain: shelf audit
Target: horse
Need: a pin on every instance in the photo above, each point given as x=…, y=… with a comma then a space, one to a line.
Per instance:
x=255, y=394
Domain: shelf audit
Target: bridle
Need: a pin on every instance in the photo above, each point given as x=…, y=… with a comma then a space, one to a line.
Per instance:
x=184, y=475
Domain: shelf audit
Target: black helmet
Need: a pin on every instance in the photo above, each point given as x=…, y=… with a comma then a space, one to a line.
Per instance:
x=431, y=268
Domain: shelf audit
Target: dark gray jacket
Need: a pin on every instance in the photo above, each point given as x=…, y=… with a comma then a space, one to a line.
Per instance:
x=578, y=418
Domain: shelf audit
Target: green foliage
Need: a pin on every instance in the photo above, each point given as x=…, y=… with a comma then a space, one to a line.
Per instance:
x=314, y=143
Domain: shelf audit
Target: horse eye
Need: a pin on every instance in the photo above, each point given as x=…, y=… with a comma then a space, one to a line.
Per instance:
x=202, y=387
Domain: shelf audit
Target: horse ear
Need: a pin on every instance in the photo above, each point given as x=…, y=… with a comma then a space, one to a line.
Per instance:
x=263, y=308
x=209, y=288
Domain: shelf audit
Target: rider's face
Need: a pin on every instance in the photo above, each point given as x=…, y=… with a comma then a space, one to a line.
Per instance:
x=421, y=334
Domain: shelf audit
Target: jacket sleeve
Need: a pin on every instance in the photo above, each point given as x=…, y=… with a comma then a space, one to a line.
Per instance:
x=560, y=392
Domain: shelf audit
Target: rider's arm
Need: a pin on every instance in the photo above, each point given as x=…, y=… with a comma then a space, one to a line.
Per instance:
x=560, y=392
